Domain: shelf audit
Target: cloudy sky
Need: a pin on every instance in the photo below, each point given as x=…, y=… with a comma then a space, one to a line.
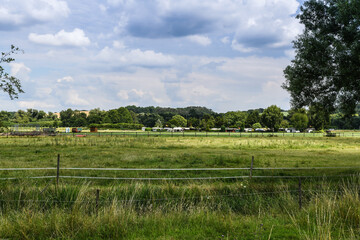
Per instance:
x=221, y=54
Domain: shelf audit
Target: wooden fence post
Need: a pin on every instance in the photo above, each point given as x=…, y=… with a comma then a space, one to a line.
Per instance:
x=252, y=165
x=300, y=193
x=58, y=170
x=97, y=201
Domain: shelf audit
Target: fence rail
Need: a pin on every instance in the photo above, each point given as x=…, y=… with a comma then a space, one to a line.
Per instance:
x=196, y=134
x=250, y=169
x=175, y=169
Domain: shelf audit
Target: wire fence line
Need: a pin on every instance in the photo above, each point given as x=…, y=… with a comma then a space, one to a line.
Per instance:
x=175, y=169
x=250, y=169
x=177, y=178
x=192, y=134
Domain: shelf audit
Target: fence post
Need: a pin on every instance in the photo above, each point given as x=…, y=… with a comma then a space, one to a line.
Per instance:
x=136, y=134
x=252, y=165
x=148, y=134
x=183, y=133
x=58, y=170
x=97, y=201
x=206, y=133
x=300, y=193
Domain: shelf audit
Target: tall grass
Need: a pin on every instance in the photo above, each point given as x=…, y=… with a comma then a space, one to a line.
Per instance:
x=240, y=210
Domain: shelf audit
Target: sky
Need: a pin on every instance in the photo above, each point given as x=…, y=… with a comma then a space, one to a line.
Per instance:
x=226, y=55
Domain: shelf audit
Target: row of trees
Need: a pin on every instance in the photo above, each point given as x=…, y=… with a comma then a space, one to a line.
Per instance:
x=196, y=117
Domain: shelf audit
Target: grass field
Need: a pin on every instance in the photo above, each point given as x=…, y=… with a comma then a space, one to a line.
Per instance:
x=184, y=209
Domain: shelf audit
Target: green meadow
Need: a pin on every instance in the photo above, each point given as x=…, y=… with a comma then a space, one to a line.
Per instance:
x=221, y=208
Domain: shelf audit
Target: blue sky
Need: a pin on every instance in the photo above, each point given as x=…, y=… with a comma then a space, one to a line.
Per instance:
x=221, y=54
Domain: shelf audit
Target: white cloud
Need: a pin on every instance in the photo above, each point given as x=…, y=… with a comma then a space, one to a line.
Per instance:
x=225, y=40
x=20, y=70
x=120, y=56
x=73, y=98
x=75, y=38
x=123, y=95
x=18, y=13
x=241, y=48
x=35, y=104
x=65, y=79
x=43, y=92
x=202, y=40
x=119, y=45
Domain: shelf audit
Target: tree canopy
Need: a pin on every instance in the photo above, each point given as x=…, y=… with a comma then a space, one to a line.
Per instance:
x=325, y=71
x=8, y=83
x=272, y=117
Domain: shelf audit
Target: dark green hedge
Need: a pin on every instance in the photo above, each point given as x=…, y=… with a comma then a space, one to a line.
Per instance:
x=130, y=126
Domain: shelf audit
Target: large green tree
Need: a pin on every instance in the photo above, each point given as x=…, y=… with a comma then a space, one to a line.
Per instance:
x=177, y=121
x=299, y=121
x=235, y=119
x=272, y=117
x=125, y=115
x=8, y=83
x=325, y=71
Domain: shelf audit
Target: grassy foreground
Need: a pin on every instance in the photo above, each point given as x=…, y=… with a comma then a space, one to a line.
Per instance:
x=216, y=209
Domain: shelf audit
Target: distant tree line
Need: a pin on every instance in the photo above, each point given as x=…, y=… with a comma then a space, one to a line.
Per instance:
x=202, y=118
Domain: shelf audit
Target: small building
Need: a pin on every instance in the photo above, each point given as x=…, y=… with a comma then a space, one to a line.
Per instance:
x=309, y=130
x=93, y=129
x=292, y=130
x=76, y=130
x=259, y=130
x=178, y=129
x=231, y=129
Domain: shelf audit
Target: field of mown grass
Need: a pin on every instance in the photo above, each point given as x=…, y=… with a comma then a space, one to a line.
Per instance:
x=186, y=209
